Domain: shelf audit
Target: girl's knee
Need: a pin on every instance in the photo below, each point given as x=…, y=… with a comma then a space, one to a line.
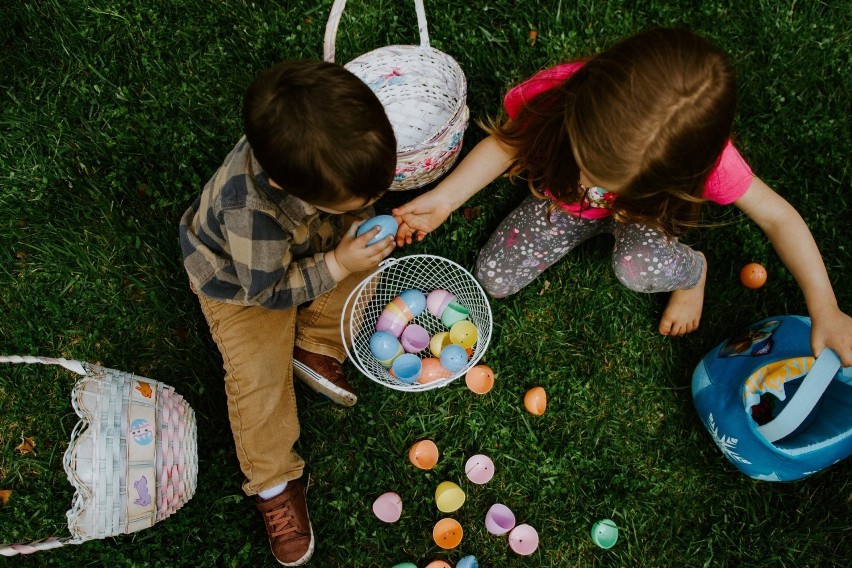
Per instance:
x=630, y=274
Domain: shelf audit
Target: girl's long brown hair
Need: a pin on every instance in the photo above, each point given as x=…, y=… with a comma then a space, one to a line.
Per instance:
x=647, y=119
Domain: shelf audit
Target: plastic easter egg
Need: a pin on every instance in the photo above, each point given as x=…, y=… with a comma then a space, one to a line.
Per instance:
x=464, y=333
x=535, y=401
x=414, y=338
x=432, y=371
x=424, y=454
x=447, y=533
x=438, y=564
x=453, y=358
x=449, y=497
x=438, y=342
x=385, y=347
x=479, y=469
x=407, y=368
x=387, y=224
x=467, y=562
x=437, y=301
x=753, y=276
x=405, y=565
x=523, y=540
x=499, y=519
x=388, y=507
x=391, y=322
x=479, y=379
x=454, y=313
x=605, y=533
x=398, y=307
x=415, y=300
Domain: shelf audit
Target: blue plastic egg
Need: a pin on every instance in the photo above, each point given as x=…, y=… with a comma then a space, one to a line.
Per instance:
x=386, y=222
x=468, y=562
x=415, y=300
x=453, y=358
x=407, y=368
x=385, y=347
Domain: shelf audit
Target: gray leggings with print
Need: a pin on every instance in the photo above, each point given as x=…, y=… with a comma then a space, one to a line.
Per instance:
x=527, y=242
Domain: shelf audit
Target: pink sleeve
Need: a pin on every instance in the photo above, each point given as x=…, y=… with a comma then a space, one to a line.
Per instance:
x=730, y=179
x=521, y=94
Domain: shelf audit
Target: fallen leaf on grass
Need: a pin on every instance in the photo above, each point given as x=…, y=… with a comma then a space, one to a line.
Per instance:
x=4, y=496
x=533, y=37
x=26, y=446
x=544, y=288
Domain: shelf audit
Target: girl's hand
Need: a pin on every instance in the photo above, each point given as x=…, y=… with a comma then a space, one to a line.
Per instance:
x=420, y=216
x=832, y=329
x=353, y=255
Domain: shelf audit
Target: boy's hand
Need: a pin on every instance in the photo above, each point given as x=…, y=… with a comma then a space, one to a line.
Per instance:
x=419, y=217
x=353, y=254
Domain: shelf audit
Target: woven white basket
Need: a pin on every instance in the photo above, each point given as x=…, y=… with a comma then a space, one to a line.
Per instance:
x=422, y=272
x=423, y=91
x=132, y=458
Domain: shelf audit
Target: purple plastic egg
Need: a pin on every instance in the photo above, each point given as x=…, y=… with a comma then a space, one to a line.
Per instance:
x=414, y=338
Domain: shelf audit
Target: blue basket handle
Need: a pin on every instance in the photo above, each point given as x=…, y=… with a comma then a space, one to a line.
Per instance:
x=805, y=399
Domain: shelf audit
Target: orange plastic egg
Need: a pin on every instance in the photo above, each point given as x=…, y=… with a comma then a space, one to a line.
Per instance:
x=535, y=401
x=424, y=454
x=753, y=275
x=438, y=564
x=479, y=379
x=432, y=371
x=447, y=533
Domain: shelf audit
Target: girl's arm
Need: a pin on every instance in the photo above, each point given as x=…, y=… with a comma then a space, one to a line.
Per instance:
x=794, y=243
x=480, y=167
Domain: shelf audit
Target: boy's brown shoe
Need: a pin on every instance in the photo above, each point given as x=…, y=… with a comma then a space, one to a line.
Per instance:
x=291, y=536
x=324, y=375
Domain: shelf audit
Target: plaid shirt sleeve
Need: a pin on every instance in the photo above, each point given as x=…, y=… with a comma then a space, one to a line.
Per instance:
x=263, y=263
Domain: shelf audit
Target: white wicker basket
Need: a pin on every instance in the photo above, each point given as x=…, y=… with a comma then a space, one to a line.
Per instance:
x=423, y=91
x=132, y=458
x=425, y=273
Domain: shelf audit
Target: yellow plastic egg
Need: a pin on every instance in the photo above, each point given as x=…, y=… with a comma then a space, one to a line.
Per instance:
x=449, y=497
x=438, y=342
x=464, y=333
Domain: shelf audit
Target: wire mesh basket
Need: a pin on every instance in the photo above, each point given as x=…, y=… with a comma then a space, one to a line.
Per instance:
x=419, y=272
x=132, y=458
x=424, y=93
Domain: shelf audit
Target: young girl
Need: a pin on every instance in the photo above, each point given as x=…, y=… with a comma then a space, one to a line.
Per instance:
x=629, y=142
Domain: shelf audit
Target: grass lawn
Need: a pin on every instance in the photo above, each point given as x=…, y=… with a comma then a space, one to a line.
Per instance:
x=113, y=114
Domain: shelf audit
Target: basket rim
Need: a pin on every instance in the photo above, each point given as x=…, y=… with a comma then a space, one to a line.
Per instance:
x=349, y=305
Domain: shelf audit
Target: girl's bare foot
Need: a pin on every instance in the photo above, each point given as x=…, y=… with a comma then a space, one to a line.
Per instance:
x=683, y=311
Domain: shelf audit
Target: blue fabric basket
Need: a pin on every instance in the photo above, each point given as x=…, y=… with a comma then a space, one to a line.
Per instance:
x=776, y=412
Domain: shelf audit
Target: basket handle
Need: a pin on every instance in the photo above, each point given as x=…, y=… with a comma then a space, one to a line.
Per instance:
x=52, y=542
x=334, y=20
x=805, y=399
x=70, y=364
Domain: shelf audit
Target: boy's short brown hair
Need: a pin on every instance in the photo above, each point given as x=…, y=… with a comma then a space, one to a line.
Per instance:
x=319, y=132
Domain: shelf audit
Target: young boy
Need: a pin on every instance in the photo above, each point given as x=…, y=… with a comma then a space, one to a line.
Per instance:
x=271, y=252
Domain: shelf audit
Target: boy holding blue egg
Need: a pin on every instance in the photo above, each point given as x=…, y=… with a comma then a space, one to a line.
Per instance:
x=271, y=252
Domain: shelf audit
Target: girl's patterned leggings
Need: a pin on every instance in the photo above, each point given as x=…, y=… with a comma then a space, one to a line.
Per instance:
x=527, y=242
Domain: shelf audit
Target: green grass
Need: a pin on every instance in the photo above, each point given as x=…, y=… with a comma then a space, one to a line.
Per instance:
x=114, y=113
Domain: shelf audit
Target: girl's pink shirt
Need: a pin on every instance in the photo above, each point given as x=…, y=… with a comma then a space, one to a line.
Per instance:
x=728, y=181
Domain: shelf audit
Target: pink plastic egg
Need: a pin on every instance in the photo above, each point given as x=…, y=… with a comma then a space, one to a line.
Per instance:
x=437, y=300
x=479, y=469
x=438, y=564
x=523, y=540
x=391, y=322
x=414, y=338
x=499, y=519
x=432, y=370
x=388, y=507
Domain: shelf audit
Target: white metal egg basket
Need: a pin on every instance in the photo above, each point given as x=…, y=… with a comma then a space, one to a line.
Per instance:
x=419, y=272
x=132, y=458
x=424, y=92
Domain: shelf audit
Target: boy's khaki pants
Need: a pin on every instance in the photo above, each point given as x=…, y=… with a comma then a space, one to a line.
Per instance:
x=257, y=352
